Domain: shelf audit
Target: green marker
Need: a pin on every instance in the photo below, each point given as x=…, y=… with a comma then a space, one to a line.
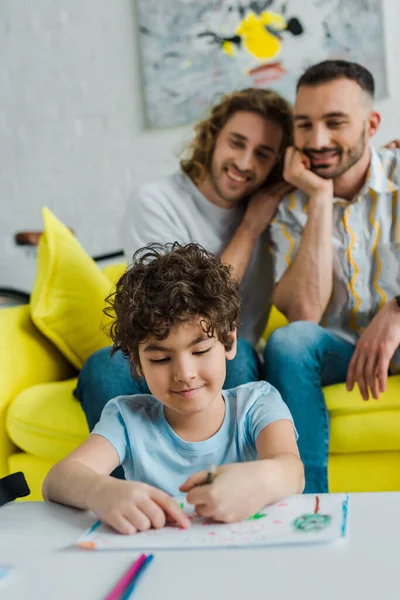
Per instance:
x=256, y=516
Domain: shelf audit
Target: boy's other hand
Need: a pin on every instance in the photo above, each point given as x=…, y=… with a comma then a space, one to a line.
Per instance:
x=233, y=496
x=131, y=506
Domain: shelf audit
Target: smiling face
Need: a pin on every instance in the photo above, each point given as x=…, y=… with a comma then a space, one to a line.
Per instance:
x=246, y=150
x=333, y=124
x=186, y=371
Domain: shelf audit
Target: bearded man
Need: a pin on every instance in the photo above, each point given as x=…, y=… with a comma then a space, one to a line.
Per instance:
x=336, y=243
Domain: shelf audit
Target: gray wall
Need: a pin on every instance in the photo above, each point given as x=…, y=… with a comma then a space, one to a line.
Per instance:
x=71, y=125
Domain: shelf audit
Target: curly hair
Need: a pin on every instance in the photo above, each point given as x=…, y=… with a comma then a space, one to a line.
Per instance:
x=266, y=103
x=167, y=285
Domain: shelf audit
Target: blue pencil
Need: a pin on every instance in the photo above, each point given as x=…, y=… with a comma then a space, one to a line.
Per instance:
x=132, y=584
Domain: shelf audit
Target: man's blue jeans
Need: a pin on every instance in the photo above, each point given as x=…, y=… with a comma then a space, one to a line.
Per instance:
x=298, y=360
x=104, y=377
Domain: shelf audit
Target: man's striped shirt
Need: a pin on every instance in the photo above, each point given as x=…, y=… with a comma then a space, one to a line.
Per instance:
x=366, y=246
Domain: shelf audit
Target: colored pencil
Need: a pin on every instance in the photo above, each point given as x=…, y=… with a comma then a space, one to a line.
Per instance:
x=211, y=474
x=126, y=578
x=131, y=586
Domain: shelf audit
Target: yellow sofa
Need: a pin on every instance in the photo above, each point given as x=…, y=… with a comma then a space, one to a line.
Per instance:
x=41, y=421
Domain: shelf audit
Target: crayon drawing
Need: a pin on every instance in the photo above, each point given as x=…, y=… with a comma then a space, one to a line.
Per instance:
x=299, y=519
x=194, y=50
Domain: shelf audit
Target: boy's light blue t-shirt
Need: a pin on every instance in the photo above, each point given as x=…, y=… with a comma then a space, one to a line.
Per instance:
x=151, y=452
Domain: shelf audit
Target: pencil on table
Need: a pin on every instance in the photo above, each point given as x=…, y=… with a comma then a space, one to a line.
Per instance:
x=131, y=586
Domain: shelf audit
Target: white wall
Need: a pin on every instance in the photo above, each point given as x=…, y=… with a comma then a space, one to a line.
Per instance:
x=71, y=125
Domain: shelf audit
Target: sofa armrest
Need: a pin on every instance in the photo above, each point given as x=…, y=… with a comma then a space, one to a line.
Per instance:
x=26, y=358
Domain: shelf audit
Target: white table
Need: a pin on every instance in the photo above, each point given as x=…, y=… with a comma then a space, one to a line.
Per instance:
x=39, y=538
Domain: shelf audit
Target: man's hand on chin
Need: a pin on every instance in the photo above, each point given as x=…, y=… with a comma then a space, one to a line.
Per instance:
x=298, y=172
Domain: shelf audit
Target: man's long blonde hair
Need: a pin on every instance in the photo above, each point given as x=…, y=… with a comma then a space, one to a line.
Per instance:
x=267, y=103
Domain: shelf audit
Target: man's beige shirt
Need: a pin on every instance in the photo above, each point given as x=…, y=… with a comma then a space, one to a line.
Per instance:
x=366, y=246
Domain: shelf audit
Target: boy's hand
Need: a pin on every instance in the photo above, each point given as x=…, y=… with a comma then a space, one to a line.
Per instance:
x=297, y=172
x=237, y=492
x=131, y=506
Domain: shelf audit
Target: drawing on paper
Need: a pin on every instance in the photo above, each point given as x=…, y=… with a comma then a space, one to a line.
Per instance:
x=296, y=520
x=312, y=522
x=194, y=50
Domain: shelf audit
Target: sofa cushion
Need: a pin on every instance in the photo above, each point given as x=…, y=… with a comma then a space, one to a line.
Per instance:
x=47, y=421
x=364, y=472
x=114, y=271
x=68, y=296
x=357, y=425
x=276, y=320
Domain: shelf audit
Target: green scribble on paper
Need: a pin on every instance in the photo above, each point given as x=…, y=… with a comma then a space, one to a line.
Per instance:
x=314, y=522
x=256, y=516
x=181, y=505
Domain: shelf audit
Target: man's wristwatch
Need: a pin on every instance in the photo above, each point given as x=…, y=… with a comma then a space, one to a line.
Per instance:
x=397, y=298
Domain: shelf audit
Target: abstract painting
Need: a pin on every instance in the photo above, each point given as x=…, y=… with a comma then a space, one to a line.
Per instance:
x=192, y=51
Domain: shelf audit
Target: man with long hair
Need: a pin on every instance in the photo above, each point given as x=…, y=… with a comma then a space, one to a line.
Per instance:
x=336, y=245
x=218, y=200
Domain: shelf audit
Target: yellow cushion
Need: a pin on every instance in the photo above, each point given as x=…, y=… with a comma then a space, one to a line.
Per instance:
x=68, y=295
x=364, y=472
x=360, y=426
x=276, y=320
x=47, y=421
x=114, y=271
x=26, y=358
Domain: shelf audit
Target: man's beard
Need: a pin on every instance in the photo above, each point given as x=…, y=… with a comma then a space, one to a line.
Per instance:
x=347, y=159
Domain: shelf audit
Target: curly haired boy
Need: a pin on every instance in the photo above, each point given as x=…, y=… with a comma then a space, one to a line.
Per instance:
x=176, y=311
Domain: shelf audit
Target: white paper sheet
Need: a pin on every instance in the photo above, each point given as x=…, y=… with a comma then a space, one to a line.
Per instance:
x=299, y=519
